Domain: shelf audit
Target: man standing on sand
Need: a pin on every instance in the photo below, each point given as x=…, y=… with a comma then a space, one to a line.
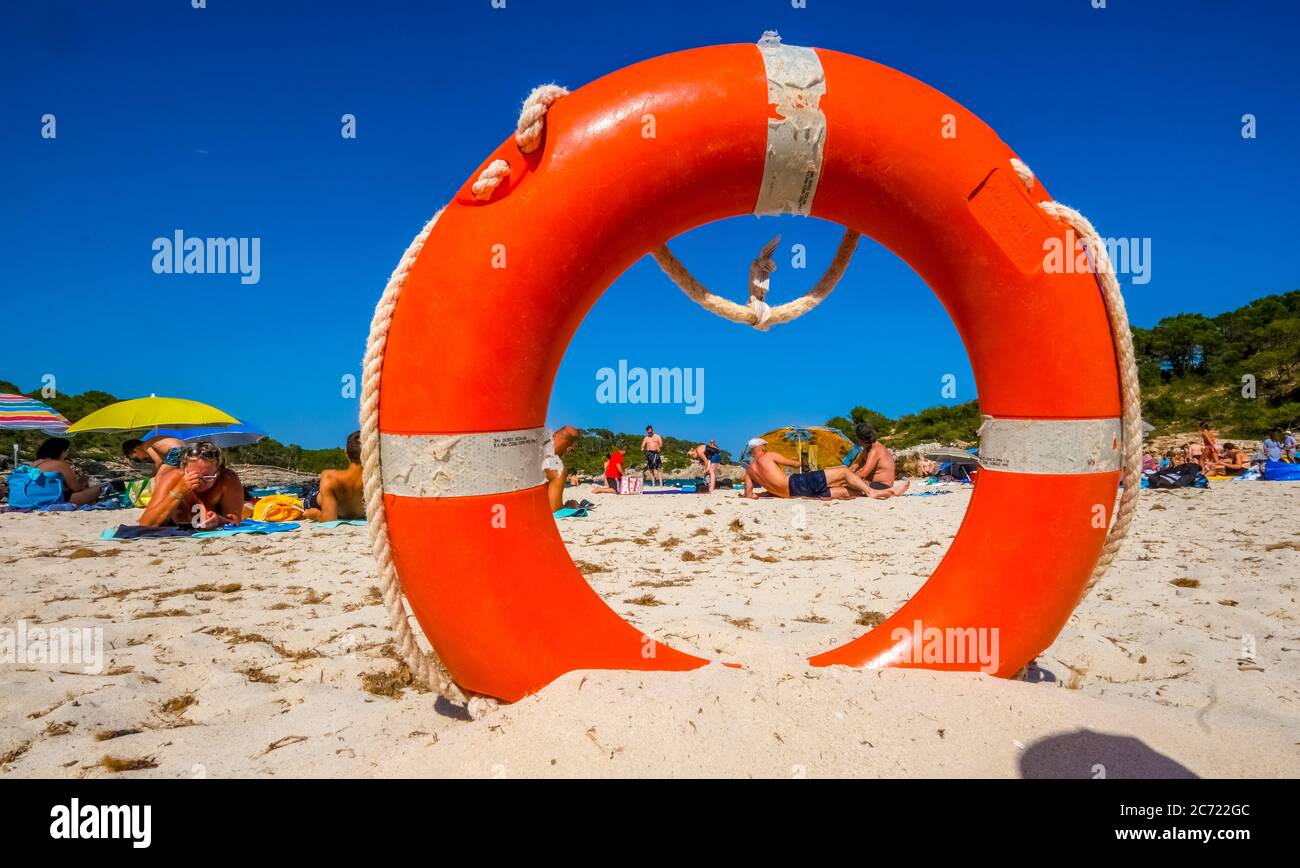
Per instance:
x=341, y=494
x=653, y=447
x=875, y=463
x=765, y=470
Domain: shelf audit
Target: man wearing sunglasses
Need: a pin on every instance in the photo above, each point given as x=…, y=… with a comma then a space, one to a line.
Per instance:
x=205, y=495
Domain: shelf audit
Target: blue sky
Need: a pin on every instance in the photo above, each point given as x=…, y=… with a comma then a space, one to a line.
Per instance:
x=225, y=121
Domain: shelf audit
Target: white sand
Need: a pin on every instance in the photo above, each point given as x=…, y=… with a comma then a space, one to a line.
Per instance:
x=1144, y=681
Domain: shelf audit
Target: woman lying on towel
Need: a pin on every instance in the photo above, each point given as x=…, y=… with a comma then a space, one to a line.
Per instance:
x=205, y=495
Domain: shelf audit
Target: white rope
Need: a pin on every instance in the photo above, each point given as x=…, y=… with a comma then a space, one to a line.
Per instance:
x=1125, y=358
x=425, y=666
x=757, y=312
x=528, y=137
x=532, y=118
x=488, y=180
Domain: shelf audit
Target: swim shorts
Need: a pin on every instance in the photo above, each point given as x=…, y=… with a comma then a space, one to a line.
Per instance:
x=653, y=461
x=612, y=482
x=810, y=484
x=876, y=486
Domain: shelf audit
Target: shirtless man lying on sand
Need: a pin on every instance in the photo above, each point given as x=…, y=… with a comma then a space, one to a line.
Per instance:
x=875, y=464
x=341, y=494
x=765, y=470
x=204, y=495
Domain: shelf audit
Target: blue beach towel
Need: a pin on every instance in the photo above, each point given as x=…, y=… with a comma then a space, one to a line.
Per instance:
x=354, y=522
x=250, y=526
x=131, y=531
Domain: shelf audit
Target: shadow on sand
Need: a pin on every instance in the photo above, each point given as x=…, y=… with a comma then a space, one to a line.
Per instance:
x=1087, y=754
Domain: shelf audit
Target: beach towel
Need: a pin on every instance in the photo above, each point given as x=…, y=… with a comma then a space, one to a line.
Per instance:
x=247, y=526
x=354, y=522
x=30, y=488
x=135, y=531
x=567, y=512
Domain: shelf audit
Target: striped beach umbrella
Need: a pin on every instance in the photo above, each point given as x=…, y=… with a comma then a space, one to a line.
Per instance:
x=21, y=413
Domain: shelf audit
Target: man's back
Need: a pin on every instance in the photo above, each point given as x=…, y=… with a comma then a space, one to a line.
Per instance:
x=342, y=494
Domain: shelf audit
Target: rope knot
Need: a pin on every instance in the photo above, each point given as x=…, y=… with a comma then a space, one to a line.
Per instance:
x=760, y=281
x=532, y=118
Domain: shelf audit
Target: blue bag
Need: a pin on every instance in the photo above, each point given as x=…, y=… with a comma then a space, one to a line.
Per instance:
x=30, y=488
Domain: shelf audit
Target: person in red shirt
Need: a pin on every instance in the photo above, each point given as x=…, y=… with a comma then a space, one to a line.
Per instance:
x=613, y=473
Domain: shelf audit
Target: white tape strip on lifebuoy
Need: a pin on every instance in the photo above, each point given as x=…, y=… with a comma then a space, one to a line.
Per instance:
x=462, y=465
x=796, y=141
x=1050, y=446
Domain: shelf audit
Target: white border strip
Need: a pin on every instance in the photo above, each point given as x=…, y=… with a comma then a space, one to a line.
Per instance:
x=1051, y=446
x=796, y=142
x=462, y=465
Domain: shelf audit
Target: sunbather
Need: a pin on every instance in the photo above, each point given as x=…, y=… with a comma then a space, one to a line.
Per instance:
x=163, y=451
x=765, y=469
x=204, y=495
x=875, y=463
x=553, y=465
x=1235, y=460
x=341, y=493
x=52, y=457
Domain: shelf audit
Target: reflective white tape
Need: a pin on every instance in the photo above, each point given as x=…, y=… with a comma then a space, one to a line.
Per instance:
x=796, y=140
x=462, y=465
x=1050, y=445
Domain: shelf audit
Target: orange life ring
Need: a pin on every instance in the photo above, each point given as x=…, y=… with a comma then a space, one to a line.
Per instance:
x=737, y=129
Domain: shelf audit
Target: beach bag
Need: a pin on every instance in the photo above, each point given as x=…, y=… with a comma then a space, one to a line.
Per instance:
x=1182, y=476
x=138, y=492
x=1281, y=471
x=629, y=485
x=30, y=488
x=278, y=507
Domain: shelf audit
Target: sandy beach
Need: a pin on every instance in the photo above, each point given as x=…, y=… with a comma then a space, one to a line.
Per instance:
x=270, y=656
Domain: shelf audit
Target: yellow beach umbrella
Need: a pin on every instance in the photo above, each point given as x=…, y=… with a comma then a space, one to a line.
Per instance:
x=151, y=412
x=814, y=446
